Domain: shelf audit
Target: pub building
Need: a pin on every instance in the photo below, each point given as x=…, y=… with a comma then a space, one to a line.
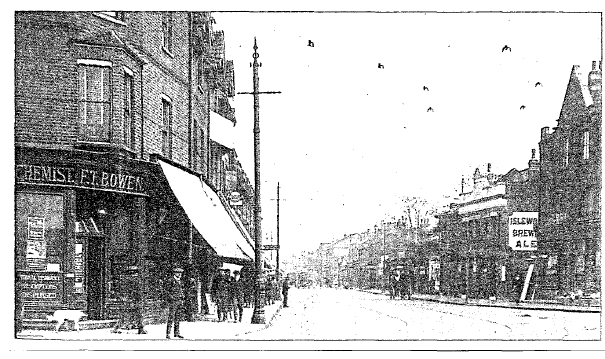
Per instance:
x=113, y=180
x=489, y=236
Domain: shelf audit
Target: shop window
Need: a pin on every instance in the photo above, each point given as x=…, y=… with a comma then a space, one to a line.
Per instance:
x=94, y=87
x=39, y=231
x=580, y=263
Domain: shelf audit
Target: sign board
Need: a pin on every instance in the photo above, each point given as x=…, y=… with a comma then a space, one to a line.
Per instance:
x=40, y=286
x=79, y=268
x=270, y=247
x=114, y=180
x=522, y=228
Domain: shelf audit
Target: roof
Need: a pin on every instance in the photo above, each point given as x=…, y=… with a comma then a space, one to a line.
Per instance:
x=583, y=82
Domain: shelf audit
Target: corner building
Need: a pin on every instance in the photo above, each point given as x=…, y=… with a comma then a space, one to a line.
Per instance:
x=113, y=189
x=570, y=205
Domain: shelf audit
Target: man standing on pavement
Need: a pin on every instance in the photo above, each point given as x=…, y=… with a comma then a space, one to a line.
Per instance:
x=175, y=300
x=284, y=291
x=237, y=293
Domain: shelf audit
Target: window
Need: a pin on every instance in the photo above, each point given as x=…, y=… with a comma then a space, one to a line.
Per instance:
x=94, y=87
x=566, y=159
x=167, y=31
x=586, y=144
x=200, y=73
x=166, y=128
x=128, y=110
x=197, y=141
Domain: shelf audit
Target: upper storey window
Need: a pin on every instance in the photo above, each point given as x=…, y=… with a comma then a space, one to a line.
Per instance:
x=94, y=88
x=167, y=22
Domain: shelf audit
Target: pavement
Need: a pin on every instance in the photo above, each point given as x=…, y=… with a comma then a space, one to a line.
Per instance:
x=592, y=306
x=206, y=329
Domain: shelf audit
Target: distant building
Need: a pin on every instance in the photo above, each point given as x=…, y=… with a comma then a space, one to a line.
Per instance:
x=570, y=197
x=479, y=257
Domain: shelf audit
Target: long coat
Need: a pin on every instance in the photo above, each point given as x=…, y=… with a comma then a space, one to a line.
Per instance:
x=175, y=293
x=237, y=291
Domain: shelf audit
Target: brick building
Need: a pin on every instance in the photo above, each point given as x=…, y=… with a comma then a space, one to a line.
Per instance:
x=478, y=257
x=115, y=179
x=570, y=208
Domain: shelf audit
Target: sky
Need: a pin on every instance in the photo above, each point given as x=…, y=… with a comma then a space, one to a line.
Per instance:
x=346, y=139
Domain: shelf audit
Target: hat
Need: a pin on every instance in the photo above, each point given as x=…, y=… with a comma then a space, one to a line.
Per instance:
x=178, y=269
x=235, y=272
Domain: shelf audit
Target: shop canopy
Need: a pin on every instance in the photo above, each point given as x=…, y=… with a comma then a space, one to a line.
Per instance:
x=207, y=213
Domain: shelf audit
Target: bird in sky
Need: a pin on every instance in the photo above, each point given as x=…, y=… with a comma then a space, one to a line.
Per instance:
x=522, y=107
x=311, y=44
x=538, y=84
x=380, y=66
x=430, y=109
x=425, y=88
x=506, y=48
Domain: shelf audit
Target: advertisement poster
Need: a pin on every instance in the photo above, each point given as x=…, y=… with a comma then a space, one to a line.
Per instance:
x=522, y=228
x=36, y=245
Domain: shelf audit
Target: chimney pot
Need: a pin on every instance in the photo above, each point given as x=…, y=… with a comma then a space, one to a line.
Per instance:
x=533, y=153
x=489, y=167
x=594, y=65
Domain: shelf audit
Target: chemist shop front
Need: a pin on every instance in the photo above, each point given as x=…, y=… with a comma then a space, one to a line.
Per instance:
x=78, y=225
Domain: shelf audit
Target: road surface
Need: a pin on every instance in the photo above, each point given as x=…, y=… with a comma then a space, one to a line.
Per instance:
x=337, y=314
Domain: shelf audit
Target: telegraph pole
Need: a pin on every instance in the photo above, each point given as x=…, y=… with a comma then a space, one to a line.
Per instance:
x=277, y=251
x=258, y=316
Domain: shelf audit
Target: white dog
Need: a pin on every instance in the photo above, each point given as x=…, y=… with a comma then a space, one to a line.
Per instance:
x=61, y=315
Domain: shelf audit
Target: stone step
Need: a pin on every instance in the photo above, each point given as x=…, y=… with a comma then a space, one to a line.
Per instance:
x=42, y=324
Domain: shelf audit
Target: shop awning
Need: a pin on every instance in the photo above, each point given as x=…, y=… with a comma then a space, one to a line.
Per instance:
x=207, y=213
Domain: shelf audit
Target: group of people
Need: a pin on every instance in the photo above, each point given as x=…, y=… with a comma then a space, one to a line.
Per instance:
x=399, y=282
x=230, y=294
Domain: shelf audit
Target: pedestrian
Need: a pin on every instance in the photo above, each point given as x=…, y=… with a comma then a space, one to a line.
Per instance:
x=175, y=300
x=214, y=289
x=284, y=291
x=237, y=296
x=517, y=287
x=396, y=284
x=226, y=295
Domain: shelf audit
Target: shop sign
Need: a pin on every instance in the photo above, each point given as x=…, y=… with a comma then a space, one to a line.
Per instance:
x=522, y=228
x=79, y=177
x=79, y=269
x=39, y=286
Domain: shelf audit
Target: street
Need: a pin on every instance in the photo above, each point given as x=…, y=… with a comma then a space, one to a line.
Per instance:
x=338, y=314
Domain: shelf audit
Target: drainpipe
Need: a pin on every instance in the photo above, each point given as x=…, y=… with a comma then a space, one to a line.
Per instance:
x=190, y=86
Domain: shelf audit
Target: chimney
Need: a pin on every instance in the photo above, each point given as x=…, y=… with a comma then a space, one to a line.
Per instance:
x=544, y=132
x=489, y=167
x=595, y=82
x=533, y=166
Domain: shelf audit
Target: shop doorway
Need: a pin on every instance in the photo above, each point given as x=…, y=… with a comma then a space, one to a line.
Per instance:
x=96, y=273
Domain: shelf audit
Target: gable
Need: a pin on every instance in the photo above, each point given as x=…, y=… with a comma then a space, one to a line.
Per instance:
x=577, y=97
